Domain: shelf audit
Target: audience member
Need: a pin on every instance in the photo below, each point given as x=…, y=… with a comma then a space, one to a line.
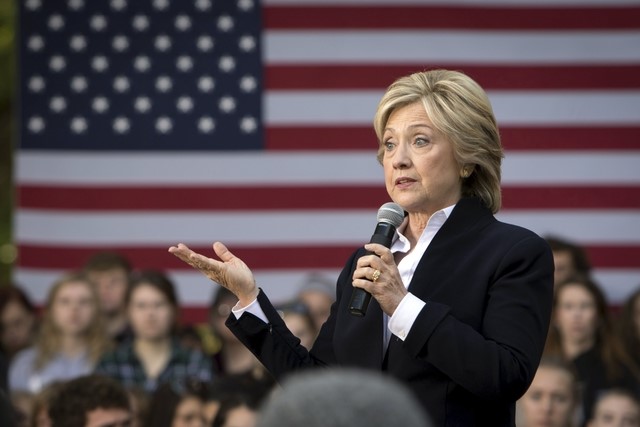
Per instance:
x=154, y=355
x=110, y=272
x=553, y=398
x=231, y=356
x=90, y=401
x=169, y=408
x=39, y=416
x=582, y=333
x=628, y=327
x=70, y=341
x=342, y=398
x=298, y=319
x=318, y=292
x=569, y=259
x=616, y=408
x=7, y=414
x=139, y=404
x=238, y=410
x=18, y=320
x=22, y=402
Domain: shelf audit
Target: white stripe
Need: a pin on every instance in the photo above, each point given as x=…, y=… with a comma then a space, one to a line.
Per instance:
x=540, y=107
x=460, y=47
x=195, y=290
x=280, y=228
x=480, y=3
x=309, y=168
x=192, y=287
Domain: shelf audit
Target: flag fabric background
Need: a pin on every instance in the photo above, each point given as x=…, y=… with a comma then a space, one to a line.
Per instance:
x=148, y=123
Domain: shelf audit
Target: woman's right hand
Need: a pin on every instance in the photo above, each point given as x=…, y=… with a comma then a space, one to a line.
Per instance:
x=231, y=272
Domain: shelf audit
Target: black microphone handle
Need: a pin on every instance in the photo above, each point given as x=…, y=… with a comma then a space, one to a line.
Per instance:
x=359, y=297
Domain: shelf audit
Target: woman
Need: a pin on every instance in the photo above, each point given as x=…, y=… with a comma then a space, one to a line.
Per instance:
x=154, y=356
x=553, y=396
x=582, y=333
x=18, y=320
x=628, y=327
x=467, y=298
x=171, y=409
x=71, y=338
x=616, y=407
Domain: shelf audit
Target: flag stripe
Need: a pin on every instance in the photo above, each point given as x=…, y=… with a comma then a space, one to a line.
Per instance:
x=450, y=17
x=491, y=77
x=298, y=197
x=281, y=257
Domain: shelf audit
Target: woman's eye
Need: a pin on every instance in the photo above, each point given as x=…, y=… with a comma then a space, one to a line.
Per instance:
x=389, y=145
x=421, y=141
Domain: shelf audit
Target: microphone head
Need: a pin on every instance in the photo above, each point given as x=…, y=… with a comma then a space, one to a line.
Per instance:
x=391, y=213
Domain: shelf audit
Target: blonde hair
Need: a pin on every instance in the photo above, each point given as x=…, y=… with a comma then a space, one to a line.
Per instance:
x=460, y=109
x=49, y=336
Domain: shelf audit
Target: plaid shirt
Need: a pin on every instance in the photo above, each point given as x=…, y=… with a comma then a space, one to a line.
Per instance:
x=184, y=365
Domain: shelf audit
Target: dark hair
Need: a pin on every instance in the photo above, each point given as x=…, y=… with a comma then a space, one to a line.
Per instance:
x=165, y=401
x=231, y=402
x=75, y=398
x=103, y=261
x=299, y=308
x=627, y=329
x=578, y=254
x=10, y=293
x=158, y=281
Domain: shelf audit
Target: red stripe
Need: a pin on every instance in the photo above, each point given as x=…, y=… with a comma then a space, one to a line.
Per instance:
x=449, y=17
x=513, y=138
x=377, y=76
x=261, y=258
x=300, y=198
x=192, y=314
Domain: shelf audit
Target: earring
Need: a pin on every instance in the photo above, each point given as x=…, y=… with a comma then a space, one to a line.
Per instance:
x=465, y=173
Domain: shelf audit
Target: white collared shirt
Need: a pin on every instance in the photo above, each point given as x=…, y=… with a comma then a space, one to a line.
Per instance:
x=407, y=311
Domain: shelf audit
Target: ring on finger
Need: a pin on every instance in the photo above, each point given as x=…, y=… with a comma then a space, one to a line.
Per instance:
x=375, y=276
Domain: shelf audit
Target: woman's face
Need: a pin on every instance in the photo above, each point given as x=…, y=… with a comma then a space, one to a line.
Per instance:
x=17, y=326
x=150, y=313
x=241, y=416
x=576, y=314
x=421, y=172
x=73, y=308
x=615, y=411
x=549, y=402
x=189, y=413
x=299, y=327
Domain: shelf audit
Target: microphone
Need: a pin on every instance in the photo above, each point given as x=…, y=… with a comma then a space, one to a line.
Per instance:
x=390, y=216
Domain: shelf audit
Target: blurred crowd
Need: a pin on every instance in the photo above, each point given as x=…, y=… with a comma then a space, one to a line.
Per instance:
x=110, y=333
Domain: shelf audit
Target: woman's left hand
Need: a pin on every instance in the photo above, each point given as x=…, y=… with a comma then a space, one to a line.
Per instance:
x=379, y=275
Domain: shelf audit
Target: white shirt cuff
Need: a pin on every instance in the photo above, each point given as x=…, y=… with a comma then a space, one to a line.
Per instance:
x=405, y=315
x=253, y=308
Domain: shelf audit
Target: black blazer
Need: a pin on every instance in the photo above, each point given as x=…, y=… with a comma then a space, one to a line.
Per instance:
x=475, y=346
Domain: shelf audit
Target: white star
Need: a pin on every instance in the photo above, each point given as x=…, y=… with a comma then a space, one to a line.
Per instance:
x=56, y=22
x=184, y=104
x=58, y=104
x=33, y=4
x=140, y=22
x=206, y=124
x=78, y=43
x=100, y=104
x=227, y=63
x=227, y=104
x=248, y=84
x=203, y=5
x=206, y=84
x=36, y=124
x=35, y=43
x=160, y=4
x=184, y=63
x=164, y=84
x=245, y=5
x=121, y=124
x=121, y=84
x=164, y=124
x=205, y=43
x=142, y=104
x=75, y=4
x=79, y=124
x=247, y=43
x=36, y=84
x=248, y=124
x=98, y=22
x=120, y=43
x=99, y=63
x=118, y=4
x=183, y=22
x=163, y=43
x=225, y=23
x=79, y=84
x=142, y=63
x=57, y=63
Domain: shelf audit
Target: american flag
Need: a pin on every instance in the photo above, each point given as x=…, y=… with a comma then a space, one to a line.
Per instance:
x=150, y=122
